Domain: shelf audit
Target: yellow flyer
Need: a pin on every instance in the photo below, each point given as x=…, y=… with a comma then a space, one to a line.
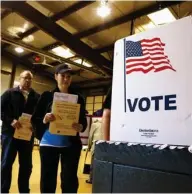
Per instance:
x=24, y=133
x=66, y=114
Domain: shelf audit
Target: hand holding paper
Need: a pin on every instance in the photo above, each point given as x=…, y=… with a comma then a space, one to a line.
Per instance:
x=78, y=127
x=24, y=131
x=48, y=118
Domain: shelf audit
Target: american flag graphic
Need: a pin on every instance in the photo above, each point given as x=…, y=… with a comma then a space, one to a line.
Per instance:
x=146, y=55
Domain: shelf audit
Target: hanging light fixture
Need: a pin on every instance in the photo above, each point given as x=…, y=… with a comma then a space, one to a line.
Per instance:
x=19, y=50
x=104, y=10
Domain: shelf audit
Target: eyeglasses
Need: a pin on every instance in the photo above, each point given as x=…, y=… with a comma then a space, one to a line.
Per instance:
x=27, y=78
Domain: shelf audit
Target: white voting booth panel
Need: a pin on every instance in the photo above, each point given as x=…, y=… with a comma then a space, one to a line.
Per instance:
x=152, y=83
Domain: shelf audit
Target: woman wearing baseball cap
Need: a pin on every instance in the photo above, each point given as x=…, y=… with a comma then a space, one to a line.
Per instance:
x=55, y=148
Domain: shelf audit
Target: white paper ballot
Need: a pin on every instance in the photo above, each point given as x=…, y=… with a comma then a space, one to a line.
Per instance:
x=64, y=97
x=24, y=132
x=66, y=111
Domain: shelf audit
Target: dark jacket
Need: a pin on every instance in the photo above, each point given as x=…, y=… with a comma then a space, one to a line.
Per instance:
x=13, y=104
x=44, y=106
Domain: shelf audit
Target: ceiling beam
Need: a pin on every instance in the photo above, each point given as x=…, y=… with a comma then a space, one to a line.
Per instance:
x=25, y=63
x=46, y=48
x=17, y=59
x=11, y=41
x=51, y=46
x=5, y=13
x=111, y=46
x=60, y=34
x=55, y=63
x=126, y=18
x=105, y=48
x=113, y=22
x=49, y=75
x=28, y=32
x=5, y=72
x=74, y=57
x=73, y=8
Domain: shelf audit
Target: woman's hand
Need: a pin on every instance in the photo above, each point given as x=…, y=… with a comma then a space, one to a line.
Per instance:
x=78, y=127
x=48, y=118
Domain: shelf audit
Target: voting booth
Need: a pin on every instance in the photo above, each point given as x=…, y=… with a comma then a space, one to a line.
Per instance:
x=151, y=125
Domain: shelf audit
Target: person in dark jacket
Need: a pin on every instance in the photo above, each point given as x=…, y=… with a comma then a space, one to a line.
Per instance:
x=14, y=102
x=53, y=147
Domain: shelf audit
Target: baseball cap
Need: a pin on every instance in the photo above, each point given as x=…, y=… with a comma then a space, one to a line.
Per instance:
x=63, y=68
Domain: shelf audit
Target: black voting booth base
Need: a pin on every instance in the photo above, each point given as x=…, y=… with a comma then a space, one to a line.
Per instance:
x=138, y=169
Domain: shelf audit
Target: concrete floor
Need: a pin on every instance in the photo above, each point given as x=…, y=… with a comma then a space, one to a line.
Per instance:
x=35, y=177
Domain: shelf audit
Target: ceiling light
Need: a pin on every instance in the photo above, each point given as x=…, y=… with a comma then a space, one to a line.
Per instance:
x=103, y=10
x=26, y=25
x=162, y=17
x=84, y=63
x=29, y=38
x=19, y=50
x=87, y=64
x=13, y=30
x=60, y=51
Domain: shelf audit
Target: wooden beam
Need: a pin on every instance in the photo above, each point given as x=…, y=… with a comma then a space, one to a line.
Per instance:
x=60, y=34
x=16, y=59
x=5, y=72
x=5, y=13
x=12, y=41
x=105, y=48
x=14, y=64
x=25, y=63
x=28, y=32
x=111, y=46
x=75, y=7
x=126, y=18
x=46, y=48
